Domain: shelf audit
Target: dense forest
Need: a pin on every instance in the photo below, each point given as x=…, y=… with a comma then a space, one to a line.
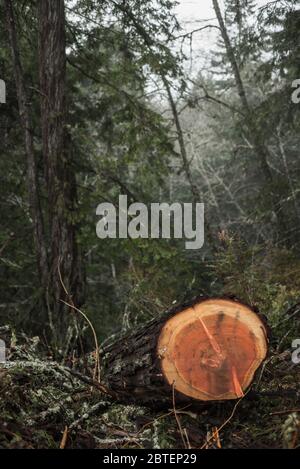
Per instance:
x=108, y=98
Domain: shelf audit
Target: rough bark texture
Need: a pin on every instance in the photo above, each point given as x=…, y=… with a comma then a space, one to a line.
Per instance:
x=133, y=365
x=32, y=179
x=59, y=173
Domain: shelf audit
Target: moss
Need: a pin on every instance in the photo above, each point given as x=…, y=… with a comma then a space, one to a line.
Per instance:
x=38, y=400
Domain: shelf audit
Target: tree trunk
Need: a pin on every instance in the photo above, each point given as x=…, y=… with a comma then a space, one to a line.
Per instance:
x=59, y=173
x=205, y=350
x=195, y=190
x=32, y=179
x=254, y=133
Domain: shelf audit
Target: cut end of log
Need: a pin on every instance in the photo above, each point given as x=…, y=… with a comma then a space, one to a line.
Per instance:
x=211, y=351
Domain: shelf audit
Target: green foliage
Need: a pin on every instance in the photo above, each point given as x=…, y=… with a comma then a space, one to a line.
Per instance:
x=120, y=55
x=124, y=142
x=265, y=278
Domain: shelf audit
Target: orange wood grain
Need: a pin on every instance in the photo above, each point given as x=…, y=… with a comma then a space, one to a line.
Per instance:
x=212, y=350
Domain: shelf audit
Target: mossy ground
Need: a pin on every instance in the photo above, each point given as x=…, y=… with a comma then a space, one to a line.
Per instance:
x=41, y=406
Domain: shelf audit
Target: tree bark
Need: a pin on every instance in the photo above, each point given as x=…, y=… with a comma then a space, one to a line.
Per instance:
x=32, y=178
x=59, y=173
x=254, y=133
x=206, y=350
x=196, y=192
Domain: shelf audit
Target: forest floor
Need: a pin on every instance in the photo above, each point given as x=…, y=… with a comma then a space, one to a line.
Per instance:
x=43, y=405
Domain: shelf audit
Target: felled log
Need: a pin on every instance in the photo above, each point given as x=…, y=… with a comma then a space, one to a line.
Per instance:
x=205, y=350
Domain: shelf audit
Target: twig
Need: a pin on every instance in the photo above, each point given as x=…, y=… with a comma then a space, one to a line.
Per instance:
x=97, y=361
x=86, y=414
x=262, y=372
x=176, y=416
x=167, y=414
x=217, y=431
x=187, y=439
x=87, y=380
x=281, y=412
x=290, y=392
x=64, y=438
x=116, y=441
x=71, y=305
x=291, y=312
